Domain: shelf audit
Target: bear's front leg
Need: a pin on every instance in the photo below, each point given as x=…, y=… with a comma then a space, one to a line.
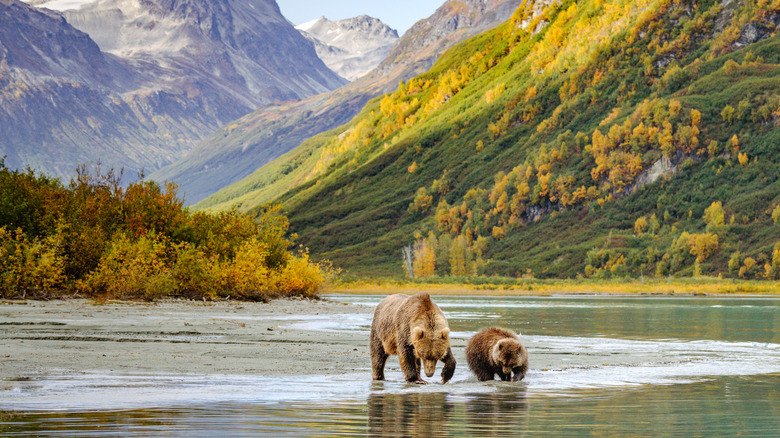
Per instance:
x=449, y=366
x=409, y=365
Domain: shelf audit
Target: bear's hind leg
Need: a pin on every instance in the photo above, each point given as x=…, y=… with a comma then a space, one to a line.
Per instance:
x=484, y=375
x=378, y=358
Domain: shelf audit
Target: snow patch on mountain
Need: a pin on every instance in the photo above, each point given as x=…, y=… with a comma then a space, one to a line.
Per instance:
x=60, y=5
x=309, y=24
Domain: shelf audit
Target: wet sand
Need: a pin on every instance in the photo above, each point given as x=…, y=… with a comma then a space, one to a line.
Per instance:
x=178, y=337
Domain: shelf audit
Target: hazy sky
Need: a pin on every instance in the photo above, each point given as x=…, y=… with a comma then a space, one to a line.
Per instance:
x=398, y=14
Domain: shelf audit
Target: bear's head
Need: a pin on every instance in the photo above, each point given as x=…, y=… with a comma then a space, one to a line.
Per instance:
x=430, y=345
x=507, y=353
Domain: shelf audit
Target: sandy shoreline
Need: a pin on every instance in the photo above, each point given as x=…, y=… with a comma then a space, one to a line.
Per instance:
x=175, y=337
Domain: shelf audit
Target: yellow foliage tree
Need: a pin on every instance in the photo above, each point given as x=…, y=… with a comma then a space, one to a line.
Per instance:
x=640, y=225
x=735, y=143
x=459, y=257
x=422, y=201
x=714, y=216
x=695, y=117
x=703, y=245
x=424, y=264
x=727, y=114
x=747, y=267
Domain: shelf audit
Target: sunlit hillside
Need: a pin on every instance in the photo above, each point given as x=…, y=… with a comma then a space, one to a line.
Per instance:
x=594, y=138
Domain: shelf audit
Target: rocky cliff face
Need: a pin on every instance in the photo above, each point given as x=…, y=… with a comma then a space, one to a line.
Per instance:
x=244, y=48
x=137, y=83
x=351, y=47
x=40, y=45
x=236, y=151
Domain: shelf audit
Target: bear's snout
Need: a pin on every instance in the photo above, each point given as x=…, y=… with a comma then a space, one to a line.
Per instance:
x=430, y=367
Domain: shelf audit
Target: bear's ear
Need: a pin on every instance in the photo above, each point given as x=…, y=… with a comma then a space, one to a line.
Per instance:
x=418, y=333
x=500, y=346
x=445, y=333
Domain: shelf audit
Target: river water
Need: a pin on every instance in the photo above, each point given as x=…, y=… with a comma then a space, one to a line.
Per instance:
x=639, y=366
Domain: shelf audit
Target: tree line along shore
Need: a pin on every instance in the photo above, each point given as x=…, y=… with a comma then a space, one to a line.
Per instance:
x=98, y=238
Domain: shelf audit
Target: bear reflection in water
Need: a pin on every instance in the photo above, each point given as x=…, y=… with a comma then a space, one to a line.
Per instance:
x=408, y=414
x=442, y=414
x=498, y=413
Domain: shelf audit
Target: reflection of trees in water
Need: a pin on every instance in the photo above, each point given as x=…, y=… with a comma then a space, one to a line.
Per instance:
x=433, y=414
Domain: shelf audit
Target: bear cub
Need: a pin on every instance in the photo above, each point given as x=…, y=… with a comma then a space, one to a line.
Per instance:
x=497, y=351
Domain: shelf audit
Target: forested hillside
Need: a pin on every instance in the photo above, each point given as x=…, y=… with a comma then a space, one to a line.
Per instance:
x=598, y=138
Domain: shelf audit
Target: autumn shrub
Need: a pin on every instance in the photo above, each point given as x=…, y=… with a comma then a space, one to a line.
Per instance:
x=196, y=274
x=300, y=277
x=29, y=201
x=747, y=269
x=147, y=208
x=28, y=266
x=133, y=269
x=81, y=246
x=218, y=234
x=246, y=276
x=772, y=270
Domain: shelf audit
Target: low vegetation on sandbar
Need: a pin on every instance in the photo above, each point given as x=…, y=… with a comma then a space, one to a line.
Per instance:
x=97, y=238
x=691, y=286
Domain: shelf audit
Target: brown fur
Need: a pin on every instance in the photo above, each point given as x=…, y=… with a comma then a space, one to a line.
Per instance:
x=497, y=351
x=416, y=330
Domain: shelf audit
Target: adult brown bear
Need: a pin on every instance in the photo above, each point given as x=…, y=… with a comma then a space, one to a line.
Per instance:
x=416, y=330
x=497, y=351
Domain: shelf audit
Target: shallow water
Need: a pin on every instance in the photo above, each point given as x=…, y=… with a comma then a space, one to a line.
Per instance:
x=599, y=366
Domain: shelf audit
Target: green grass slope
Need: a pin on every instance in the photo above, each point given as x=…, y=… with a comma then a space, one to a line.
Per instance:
x=595, y=138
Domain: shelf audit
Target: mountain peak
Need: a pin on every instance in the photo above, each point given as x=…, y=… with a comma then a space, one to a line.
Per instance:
x=309, y=24
x=351, y=47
